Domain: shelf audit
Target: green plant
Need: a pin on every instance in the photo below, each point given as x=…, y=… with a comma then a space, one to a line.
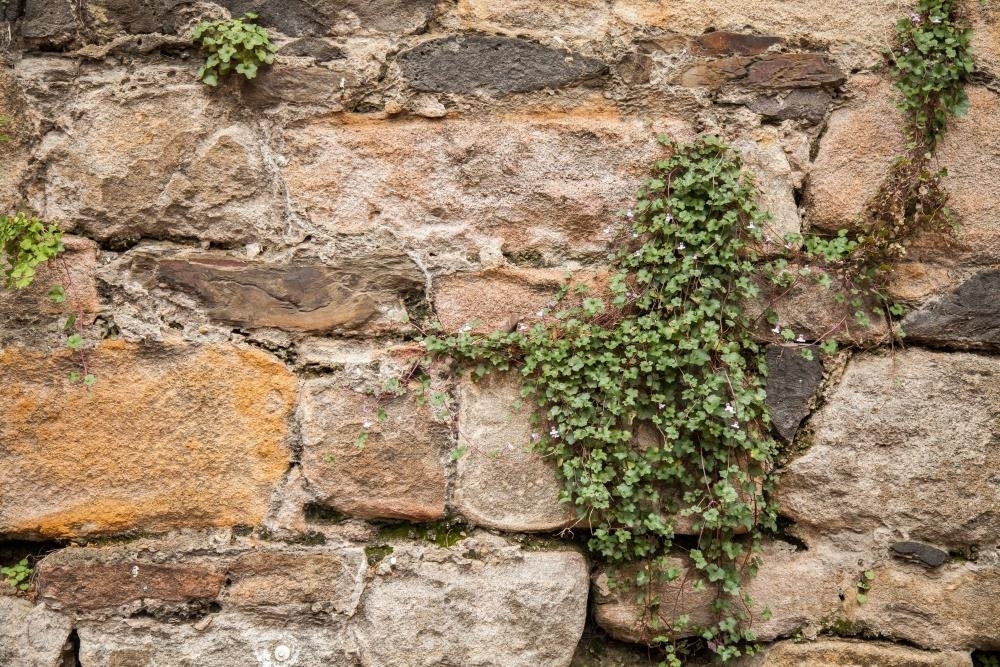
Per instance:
x=986, y=659
x=26, y=243
x=236, y=45
x=668, y=351
x=930, y=64
x=18, y=575
x=864, y=585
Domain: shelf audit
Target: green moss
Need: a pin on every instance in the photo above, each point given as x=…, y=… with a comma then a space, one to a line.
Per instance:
x=377, y=552
x=442, y=533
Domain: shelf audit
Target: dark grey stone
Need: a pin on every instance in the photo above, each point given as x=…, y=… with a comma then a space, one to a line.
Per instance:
x=968, y=318
x=138, y=17
x=791, y=382
x=49, y=22
x=320, y=17
x=313, y=47
x=497, y=64
x=920, y=553
x=810, y=105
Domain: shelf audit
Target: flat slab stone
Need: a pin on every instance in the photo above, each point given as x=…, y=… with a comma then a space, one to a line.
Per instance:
x=472, y=63
x=364, y=293
x=170, y=436
x=773, y=70
x=791, y=383
x=340, y=17
x=841, y=653
x=32, y=635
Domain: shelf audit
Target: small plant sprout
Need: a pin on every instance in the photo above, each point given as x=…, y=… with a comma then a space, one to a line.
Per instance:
x=236, y=45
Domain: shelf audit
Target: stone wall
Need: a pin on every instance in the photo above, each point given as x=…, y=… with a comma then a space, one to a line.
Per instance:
x=254, y=261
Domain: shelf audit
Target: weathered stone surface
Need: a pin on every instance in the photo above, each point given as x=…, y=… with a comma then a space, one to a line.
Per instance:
x=775, y=70
x=133, y=16
x=500, y=483
x=725, y=43
x=76, y=584
x=515, y=294
x=321, y=50
x=792, y=381
x=546, y=184
x=855, y=154
x=904, y=442
x=969, y=152
x=839, y=653
x=73, y=270
x=32, y=636
x=967, y=318
x=488, y=602
x=364, y=293
x=808, y=104
x=917, y=552
x=158, y=161
x=984, y=19
x=838, y=21
x=501, y=65
x=576, y=19
x=284, y=581
x=397, y=473
x=207, y=424
x=339, y=17
x=313, y=86
x=764, y=157
x=813, y=591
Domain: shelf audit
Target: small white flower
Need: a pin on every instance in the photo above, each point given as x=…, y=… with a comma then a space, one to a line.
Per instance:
x=906, y=49
x=735, y=424
x=366, y=424
x=635, y=235
x=800, y=339
x=936, y=19
x=914, y=18
x=392, y=560
x=510, y=447
x=681, y=246
x=535, y=437
x=662, y=405
x=670, y=218
x=540, y=313
x=730, y=409
x=776, y=329
x=554, y=433
x=751, y=226
x=607, y=230
x=637, y=253
x=628, y=214
x=466, y=329
x=522, y=326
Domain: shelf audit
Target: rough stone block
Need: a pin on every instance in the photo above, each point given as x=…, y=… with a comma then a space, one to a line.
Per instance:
x=339, y=17
x=500, y=65
x=792, y=381
x=366, y=293
x=514, y=294
x=578, y=19
x=500, y=483
x=905, y=442
x=841, y=653
x=168, y=437
x=855, y=154
x=31, y=635
x=773, y=70
x=157, y=161
x=398, y=472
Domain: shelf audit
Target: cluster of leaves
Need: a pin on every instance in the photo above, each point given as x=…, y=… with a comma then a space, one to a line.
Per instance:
x=26, y=243
x=930, y=64
x=235, y=45
x=864, y=585
x=652, y=398
x=18, y=575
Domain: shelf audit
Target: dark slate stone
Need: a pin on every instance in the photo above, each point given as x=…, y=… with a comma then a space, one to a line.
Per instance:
x=313, y=47
x=791, y=382
x=496, y=64
x=351, y=295
x=723, y=43
x=968, y=318
x=920, y=553
x=809, y=104
x=50, y=22
x=318, y=17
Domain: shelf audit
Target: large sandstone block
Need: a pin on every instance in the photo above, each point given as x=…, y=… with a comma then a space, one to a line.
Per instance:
x=169, y=437
x=576, y=19
x=906, y=443
x=159, y=160
x=531, y=182
x=396, y=472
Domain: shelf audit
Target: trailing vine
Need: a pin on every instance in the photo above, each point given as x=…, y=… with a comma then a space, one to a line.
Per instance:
x=668, y=350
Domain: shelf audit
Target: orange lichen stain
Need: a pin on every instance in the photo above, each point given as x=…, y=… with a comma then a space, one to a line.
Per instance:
x=170, y=436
